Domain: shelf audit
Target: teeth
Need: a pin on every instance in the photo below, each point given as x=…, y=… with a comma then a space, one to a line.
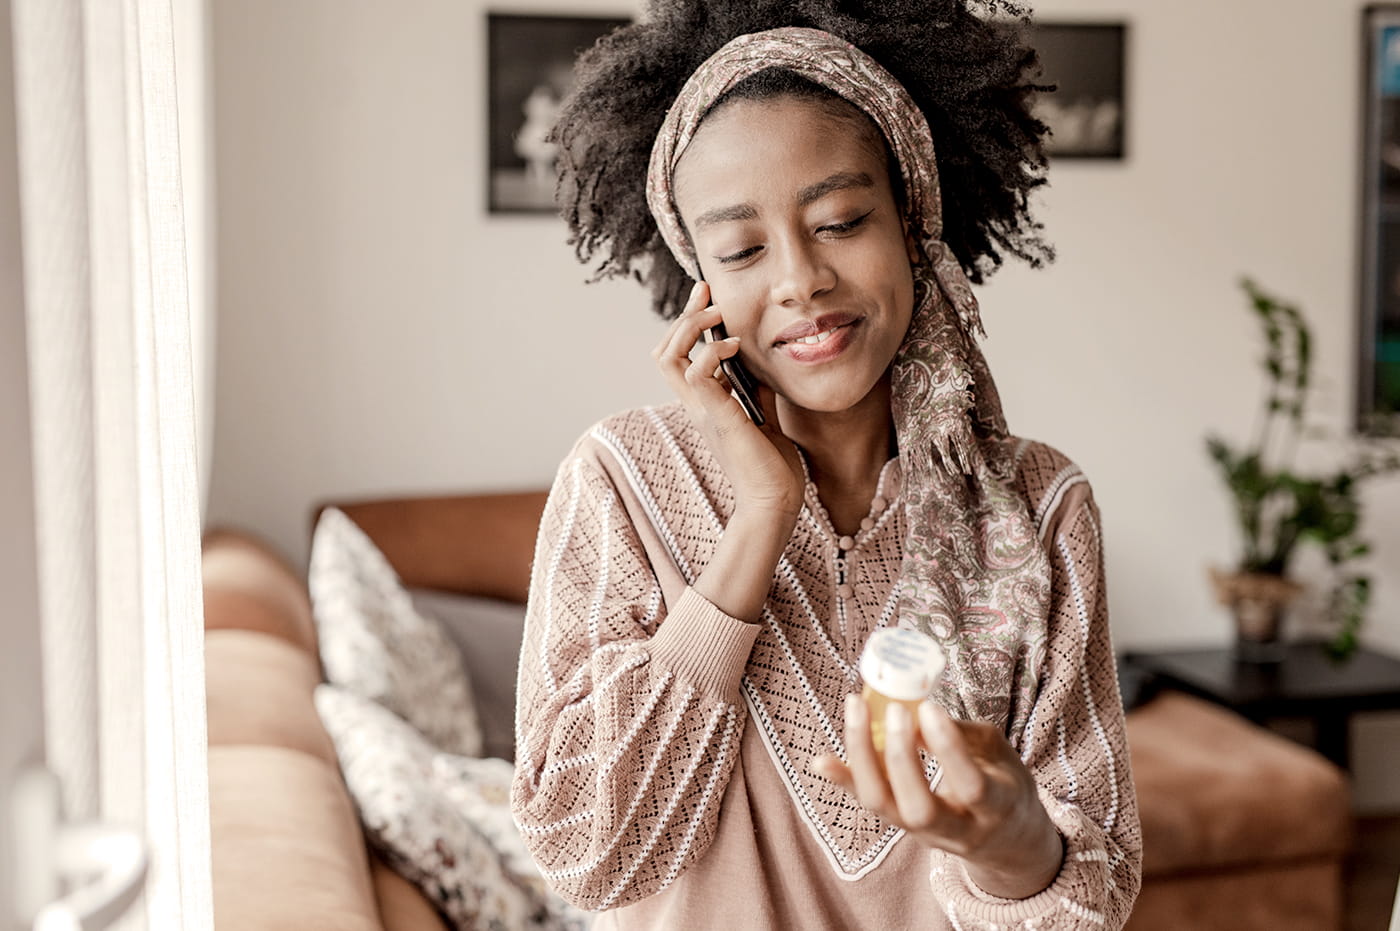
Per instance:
x=820, y=337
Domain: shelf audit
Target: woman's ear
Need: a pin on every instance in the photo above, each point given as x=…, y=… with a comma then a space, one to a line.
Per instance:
x=911, y=246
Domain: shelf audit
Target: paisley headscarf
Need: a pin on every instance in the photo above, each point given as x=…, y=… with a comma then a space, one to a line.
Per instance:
x=974, y=575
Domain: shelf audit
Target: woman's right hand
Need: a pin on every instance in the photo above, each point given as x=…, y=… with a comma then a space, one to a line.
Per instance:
x=763, y=465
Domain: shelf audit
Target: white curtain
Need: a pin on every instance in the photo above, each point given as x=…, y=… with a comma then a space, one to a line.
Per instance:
x=112, y=388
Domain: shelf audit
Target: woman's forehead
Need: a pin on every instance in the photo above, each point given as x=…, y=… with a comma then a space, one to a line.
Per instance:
x=782, y=144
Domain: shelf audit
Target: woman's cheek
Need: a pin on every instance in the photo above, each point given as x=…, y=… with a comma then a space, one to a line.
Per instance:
x=739, y=306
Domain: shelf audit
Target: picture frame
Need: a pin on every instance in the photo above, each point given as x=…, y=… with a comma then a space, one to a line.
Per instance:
x=529, y=60
x=1088, y=111
x=1378, y=345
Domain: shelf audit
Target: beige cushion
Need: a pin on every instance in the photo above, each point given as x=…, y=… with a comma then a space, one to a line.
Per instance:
x=258, y=689
x=1285, y=896
x=401, y=906
x=288, y=853
x=1215, y=790
x=248, y=586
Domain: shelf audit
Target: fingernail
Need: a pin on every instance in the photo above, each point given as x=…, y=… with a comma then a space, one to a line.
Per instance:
x=732, y=339
x=852, y=709
x=896, y=718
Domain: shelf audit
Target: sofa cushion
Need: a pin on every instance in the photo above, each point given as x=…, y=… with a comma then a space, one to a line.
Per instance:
x=487, y=632
x=460, y=857
x=1215, y=790
x=249, y=587
x=376, y=644
x=1289, y=895
x=287, y=850
x=402, y=906
x=258, y=691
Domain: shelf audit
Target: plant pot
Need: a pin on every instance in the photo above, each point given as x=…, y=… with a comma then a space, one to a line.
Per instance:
x=1257, y=600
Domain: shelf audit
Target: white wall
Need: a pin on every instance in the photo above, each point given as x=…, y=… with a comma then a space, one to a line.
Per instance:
x=380, y=333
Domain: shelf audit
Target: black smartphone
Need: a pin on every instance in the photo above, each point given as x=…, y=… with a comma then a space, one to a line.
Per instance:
x=741, y=380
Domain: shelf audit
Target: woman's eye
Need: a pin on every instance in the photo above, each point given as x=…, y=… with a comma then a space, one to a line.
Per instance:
x=739, y=256
x=846, y=227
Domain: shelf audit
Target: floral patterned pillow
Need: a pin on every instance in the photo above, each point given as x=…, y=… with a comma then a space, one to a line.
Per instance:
x=440, y=820
x=480, y=790
x=375, y=643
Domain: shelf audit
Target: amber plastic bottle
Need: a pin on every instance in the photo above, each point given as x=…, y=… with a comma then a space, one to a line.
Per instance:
x=897, y=665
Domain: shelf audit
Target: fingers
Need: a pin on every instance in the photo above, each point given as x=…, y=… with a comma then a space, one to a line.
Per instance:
x=691, y=365
x=962, y=779
x=913, y=799
x=705, y=360
x=969, y=814
x=894, y=786
x=829, y=767
x=684, y=331
x=868, y=781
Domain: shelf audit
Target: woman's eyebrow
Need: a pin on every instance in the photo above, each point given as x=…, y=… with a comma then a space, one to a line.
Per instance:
x=837, y=182
x=810, y=194
x=725, y=214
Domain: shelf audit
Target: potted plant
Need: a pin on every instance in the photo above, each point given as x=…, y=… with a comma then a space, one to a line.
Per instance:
x=1277, y=508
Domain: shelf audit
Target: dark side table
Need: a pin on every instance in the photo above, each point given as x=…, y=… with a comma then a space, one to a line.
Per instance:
x=1306, y=683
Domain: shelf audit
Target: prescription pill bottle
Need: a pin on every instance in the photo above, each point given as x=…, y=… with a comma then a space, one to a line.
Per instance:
x=899, y=665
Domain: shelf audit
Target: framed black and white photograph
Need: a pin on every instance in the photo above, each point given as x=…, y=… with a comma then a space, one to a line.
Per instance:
x=1087, y=112
x=1378, y=355
x=530, y=61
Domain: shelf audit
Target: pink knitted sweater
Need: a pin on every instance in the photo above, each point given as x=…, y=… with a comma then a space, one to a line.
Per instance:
x=662, y=745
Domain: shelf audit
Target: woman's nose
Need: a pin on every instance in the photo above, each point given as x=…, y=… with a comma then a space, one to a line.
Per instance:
x=803, y=274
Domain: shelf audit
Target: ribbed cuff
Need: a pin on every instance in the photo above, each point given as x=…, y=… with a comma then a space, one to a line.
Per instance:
x=703, y=645
x=1082, y=871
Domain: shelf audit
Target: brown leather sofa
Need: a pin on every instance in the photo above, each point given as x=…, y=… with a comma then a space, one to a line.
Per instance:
x=1242, y=829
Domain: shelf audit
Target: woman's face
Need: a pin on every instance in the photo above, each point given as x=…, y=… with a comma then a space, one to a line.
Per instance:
x=798, y=234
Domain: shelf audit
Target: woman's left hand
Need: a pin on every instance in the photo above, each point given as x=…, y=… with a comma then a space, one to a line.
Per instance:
x=985, y=810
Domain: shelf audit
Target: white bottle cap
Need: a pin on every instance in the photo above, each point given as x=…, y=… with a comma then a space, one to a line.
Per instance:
x=901, y=664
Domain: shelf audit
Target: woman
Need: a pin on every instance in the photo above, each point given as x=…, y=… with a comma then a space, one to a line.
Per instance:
x=690, y=751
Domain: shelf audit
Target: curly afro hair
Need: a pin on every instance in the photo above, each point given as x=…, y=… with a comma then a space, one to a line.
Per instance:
x=973, y=77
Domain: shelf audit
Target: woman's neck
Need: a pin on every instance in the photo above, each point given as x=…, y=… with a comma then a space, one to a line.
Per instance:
x=846, y=451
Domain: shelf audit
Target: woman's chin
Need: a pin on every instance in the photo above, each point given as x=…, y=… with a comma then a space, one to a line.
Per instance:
x=838, y=400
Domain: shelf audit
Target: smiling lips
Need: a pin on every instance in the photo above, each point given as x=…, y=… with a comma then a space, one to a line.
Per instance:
x=817, y=340
x=807, y=329
x=813, y=340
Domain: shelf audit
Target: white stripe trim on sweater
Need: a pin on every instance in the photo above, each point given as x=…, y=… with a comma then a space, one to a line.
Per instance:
x=726, y=742
x=1067, y=478
x=1083, y=912
x=653, y=609
x=554, y=769
x=1084, y=625
x=777, y=751
x=600, y=590
x=537, y=830
x=681, y=787
x=555, y=559
x=625, y=821
x=639, y=721
x=643, y=492
x=1070, y=775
